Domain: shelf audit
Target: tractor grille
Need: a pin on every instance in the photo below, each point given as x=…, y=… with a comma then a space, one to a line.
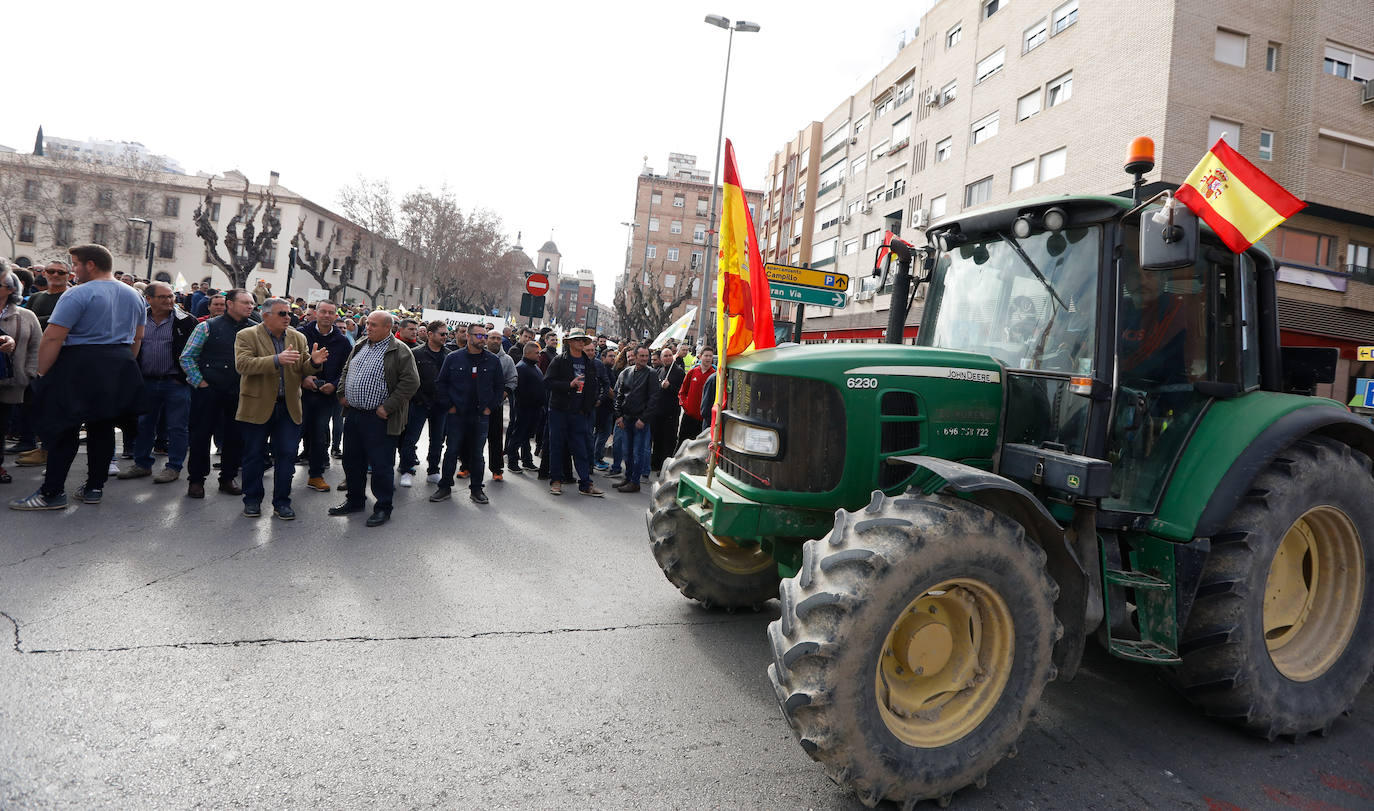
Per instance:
x=810, y=416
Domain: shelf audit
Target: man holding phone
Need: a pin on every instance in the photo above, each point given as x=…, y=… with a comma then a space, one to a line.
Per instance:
x=574, y=387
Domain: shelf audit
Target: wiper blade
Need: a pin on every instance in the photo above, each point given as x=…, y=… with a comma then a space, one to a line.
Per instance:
x=1016, y=246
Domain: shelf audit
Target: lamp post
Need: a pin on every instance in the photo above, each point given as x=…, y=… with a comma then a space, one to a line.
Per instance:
x=710, y=263
x=629, y=243
x=148, y=248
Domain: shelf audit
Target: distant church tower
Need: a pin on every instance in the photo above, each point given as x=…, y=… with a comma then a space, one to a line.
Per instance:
x=548, y=259
x=38, y=142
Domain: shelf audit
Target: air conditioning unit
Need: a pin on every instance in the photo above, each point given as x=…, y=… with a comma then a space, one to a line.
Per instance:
x=1368, y=91
x=868, y=209
x=919, y=218
x=847, y=218
x=932, y=99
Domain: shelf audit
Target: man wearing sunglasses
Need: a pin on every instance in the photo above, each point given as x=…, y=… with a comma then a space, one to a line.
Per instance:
x=57, y=274
x=424, y=410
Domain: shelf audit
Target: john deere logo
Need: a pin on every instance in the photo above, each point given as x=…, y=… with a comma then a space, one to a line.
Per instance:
x=1073, y=482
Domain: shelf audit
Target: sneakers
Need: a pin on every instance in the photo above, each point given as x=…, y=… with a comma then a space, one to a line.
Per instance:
x=497, y=477
x=21, y=447
x=336, y=453
x=134, y=472
x=284, y=513
x=479, y=496
x=407, y=480
x=34, y=458
x=614, y=473
x=462, y=474
x=555, y=488
x=432, y=478
x=5, y=477
x=442, y=494
x=318, y=484
x=38, y=501
x=592, y=491
x=167, y=476
x=114, y=469
x=530, y=466
x=517, y=470
x=602, y=466
x=89, y=495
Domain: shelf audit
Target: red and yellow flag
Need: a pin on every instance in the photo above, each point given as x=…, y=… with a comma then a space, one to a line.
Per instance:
x=1235, y=198
x=744, y=318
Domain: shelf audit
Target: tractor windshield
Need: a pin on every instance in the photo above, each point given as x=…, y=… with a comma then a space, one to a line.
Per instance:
x=1033, y=308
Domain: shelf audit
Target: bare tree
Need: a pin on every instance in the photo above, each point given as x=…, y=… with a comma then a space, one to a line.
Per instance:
x=431, y=228
x=247, y=252
x=318, y=265
x=370, y=204
x=481, y=280
x=647, y=309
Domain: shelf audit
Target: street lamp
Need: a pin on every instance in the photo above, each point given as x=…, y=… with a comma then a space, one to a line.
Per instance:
x=149, y=247
x=629, y=242
x=707, y=266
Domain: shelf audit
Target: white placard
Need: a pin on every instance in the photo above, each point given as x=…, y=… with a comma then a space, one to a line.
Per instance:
x=454, y=319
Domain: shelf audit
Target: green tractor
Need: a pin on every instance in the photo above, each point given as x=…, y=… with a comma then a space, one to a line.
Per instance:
x=1097, y=434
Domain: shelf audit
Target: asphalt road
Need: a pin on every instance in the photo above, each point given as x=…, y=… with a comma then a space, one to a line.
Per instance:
x=166, y=653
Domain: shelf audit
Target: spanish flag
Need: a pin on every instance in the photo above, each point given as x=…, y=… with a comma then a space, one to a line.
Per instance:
x=1235, y=198
x=744, y=318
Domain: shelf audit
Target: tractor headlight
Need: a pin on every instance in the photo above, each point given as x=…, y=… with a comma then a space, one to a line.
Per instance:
x=751, y=439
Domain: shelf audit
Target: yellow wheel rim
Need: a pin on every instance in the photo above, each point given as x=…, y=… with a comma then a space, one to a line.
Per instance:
x=944, y=663
x=1313, y=593
x=734, y=558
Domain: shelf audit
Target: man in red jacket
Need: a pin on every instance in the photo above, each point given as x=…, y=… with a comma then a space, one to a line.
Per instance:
x=689, y=397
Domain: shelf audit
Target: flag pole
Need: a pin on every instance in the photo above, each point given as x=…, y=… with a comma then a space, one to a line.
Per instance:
x=719, y=407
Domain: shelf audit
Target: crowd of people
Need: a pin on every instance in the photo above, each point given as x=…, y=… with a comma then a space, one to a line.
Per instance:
x=269, y=383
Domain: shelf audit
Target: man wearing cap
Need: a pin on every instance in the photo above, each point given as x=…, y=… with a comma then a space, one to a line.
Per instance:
x=574, y=385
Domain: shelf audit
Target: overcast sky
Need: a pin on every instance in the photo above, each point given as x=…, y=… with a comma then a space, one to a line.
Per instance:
x=541, y=111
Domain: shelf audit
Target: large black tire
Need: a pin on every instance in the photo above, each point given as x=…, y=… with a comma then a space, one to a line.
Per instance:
x=1247, y=658
x=838, y=672
x=713, y=571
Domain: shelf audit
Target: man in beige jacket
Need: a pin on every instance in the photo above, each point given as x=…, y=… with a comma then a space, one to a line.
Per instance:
x=272, y=359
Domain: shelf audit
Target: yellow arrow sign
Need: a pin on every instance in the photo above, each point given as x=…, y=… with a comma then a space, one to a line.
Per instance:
x=807, y=277
x=1365, y=353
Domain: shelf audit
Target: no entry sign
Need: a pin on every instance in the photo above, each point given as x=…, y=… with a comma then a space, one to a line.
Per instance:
x=537, y=284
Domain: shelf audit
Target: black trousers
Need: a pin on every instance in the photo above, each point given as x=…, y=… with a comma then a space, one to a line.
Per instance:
x=691, y=427
x=316, y=412
x=664, y=432
x=522, y=425
x=212, y=414
x=366, y=442
x=62, y=448
x=496, y=435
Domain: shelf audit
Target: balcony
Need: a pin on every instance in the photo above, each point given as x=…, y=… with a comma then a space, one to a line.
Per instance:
x=1360, y=273
x=898, y=147
x=820, y=263
x=836, y=148
x=828, y=187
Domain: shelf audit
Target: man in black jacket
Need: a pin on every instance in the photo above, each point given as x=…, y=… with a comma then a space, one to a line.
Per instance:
x=319, y=393
x=666, y=409
x=469, y=388
x=634, y=404
x=527, y=404
x=574, y=385
x=424, y=407
x=208, y=361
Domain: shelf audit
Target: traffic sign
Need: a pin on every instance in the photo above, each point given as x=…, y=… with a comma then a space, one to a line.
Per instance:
x=531, y=306
x=806, y=277
x=537, y=284
x=806, y=295
x=1365, y=353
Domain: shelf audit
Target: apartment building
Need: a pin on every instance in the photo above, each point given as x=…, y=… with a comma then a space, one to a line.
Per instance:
x=995, y=101
x=573, y=294
x=670, y=244
x=48, y=203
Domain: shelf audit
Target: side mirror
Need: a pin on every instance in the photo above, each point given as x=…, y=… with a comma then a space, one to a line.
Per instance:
x=1168, y=238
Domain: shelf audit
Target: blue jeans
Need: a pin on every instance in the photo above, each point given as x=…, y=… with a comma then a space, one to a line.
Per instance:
x=637, y=444
x=605, y=426
x=171, y=399
x=618, y=449
x=570, y=432
x=366, y=442
x=285, y=434
x=420, y=416
x=465, y=435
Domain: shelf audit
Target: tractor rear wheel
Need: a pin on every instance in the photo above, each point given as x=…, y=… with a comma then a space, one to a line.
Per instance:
x=1279, y=639
x=913, y=644
x=714, y=571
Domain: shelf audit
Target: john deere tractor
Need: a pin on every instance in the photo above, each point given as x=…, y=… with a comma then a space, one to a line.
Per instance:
x=1093, y=437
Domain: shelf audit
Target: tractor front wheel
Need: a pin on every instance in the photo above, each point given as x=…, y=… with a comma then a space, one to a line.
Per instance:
x=1279, y=639
x=913, y=644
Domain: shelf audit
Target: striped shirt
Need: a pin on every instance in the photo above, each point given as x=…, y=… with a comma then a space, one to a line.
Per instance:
x=366, y=386
x=155, y=355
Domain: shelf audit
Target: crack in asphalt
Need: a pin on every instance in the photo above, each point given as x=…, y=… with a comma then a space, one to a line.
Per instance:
x=46, y=551
x=265, y=641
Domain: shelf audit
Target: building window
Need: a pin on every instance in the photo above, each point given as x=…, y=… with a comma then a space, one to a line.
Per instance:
x=140, y=202
x=701, y=207
x=860, y=124
x=855, y=206
x=269, y=257
x=991, y=7
x=1035, y=35
x=656, y=198
x=1357, y=262
x=1023, y=175
x=699, y=233
x=69, y=194
x=1337, y=154
x=698, y=259
x=32, y=189
x=679, y=201
x=880, y=109
x=1052, y=164
x=675, y=227
x=27, y=225
x=944, y=149
x=1271, y=57
x=105, y=199
x=877, y=151
x=672, y=254
x=651, y=252
x=669, y=281
x=653, y=223
x=875, y=196
x=954, y=34
x=245, y=212
x=825, y=251
x=851, y=246
x=1059, y=91
x=171, y=207
x=319, y=229
x=1221, y=128
x=872, y=238
x=978, y=192
x=214, y=212
x=1230, y=47
x=100, y=234
x=984, y=128
x=166, y=244
x=1065, y=16
x=1266, y=150
x=133, y=241
x=937, y=206
x=1028, y=105
x=857, y=166
x=1348, y=63
x=990, y=64
x=948, y=92
x=1302, y=247
x=830, y=215
x=62, y=233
